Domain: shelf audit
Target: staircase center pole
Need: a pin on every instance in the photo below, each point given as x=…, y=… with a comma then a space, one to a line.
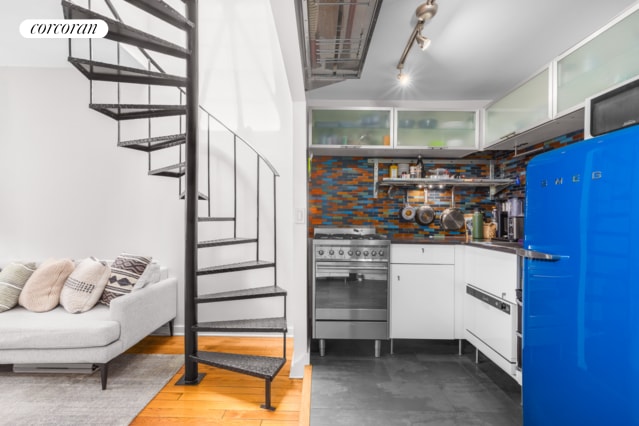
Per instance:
x=191, y=197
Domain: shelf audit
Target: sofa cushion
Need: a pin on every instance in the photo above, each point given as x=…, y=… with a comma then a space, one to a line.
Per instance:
x=125, y=272
x=56, y=329
x=83, y=288
x=13, y=277
x=41, y=293
x=152, y=274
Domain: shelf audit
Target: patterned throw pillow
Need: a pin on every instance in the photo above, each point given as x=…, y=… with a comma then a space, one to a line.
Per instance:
x=85, y=285
x=12, y=278
x=41, y=293
x=125, y=272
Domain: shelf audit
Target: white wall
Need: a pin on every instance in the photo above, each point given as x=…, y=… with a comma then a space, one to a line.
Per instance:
x=67, y=190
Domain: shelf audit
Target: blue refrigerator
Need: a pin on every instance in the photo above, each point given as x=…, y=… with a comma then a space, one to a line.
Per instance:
x=580, y=344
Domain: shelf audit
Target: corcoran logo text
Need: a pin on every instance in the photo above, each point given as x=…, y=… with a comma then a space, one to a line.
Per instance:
x=63, y=28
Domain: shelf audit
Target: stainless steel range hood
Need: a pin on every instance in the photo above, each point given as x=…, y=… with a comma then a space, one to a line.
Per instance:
x=335, y=35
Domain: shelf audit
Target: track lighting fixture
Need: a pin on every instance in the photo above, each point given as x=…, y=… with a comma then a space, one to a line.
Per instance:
x=424, y=11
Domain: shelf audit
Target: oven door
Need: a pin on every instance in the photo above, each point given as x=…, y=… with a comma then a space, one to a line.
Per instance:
x=351, y=291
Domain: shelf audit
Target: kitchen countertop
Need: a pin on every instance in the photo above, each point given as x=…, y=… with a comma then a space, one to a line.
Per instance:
x=497, y=245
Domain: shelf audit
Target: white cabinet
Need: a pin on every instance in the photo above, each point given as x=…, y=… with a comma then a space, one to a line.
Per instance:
x=422, y=291
x=602, y=61
x=490, y=307
x=492, y=271
x=450, y=130
x=332, y=131
x=525, y=107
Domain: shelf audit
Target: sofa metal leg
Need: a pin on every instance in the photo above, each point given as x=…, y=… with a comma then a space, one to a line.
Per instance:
x=171, y=328
x=104, y=371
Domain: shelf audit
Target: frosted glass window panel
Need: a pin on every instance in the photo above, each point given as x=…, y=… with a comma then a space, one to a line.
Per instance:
x=608, y=59
x=436, y=129
x=525, y=107
x=352, y=127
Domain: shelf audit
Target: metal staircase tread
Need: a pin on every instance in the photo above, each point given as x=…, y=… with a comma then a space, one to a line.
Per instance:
x=169, y=170
x=225, y=242
x=263, y=367
x=247, y=293
x=200, y=196
x=253, y=325
x=154, y=144
x=103, y=71
x=124, y=33
x=242, y=266
x=134, y=111
x=160, y=9
x=215, y=219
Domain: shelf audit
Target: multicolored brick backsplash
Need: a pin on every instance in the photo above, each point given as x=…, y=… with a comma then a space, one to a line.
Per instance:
x=341, y=191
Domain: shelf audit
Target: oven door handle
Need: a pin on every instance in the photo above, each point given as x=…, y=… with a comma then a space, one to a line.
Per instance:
x=359, y=266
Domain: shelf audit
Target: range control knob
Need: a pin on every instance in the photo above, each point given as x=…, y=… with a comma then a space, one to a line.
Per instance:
x=373, y=253
x=331, y=252
x=350, y=252
x=365, y=253
x=357, y=253
x=320, y=252
x=381, y=252
x=341, y=252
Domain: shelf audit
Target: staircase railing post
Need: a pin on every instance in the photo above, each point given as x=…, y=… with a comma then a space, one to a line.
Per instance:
x=191, y=198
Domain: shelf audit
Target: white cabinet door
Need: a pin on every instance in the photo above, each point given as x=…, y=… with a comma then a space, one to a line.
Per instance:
x=492, y=271
x=431, y=254
x=422, y=301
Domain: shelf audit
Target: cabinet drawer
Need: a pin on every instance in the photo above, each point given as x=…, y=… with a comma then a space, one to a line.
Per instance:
x=492, y=271
x=434, y=254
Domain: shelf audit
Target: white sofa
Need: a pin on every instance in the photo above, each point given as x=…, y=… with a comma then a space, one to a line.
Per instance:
x=94, y=337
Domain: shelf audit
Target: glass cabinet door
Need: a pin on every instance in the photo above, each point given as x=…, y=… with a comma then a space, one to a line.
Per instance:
x=607, y=59
x=436, y=129
x=351, y=127
x=525, y=107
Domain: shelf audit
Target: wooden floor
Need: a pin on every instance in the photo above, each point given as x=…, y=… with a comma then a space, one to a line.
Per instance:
x=224, y=397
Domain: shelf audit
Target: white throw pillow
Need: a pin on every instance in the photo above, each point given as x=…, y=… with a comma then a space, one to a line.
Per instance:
x=41, y=293
x=85, y=285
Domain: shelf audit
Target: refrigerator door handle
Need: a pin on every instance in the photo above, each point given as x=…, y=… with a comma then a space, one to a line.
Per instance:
x=537, y=255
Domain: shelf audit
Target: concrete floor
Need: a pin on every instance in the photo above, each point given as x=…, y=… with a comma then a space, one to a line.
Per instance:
x=422, y=383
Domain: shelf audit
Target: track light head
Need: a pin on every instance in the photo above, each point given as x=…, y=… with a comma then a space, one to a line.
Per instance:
x=422, y=41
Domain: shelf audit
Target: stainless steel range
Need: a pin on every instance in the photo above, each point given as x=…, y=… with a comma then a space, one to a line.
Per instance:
x=350, y=285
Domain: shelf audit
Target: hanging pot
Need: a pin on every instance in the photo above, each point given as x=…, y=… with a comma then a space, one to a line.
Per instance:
x=452, y=219
x=425, y=213
x=408, y=212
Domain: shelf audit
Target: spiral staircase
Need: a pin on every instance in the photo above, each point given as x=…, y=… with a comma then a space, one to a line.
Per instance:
x=182, y=143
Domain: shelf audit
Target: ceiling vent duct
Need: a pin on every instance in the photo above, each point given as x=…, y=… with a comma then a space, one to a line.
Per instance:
x=335, y=36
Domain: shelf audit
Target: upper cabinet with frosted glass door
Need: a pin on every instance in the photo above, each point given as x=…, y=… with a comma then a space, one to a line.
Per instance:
x=607, y=58
x=525, y=107
x=342, y=130
x=436, y=133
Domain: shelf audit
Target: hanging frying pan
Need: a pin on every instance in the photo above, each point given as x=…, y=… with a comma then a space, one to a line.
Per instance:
x=408, y=212
x=452, y=219
x=424, y=215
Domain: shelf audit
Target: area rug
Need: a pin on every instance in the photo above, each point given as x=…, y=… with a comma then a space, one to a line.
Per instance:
x=78, y=399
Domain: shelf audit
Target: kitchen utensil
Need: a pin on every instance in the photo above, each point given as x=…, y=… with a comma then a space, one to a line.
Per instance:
x=408, y=211
x=452, y=219
x=425, y=213
x=490, y=230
